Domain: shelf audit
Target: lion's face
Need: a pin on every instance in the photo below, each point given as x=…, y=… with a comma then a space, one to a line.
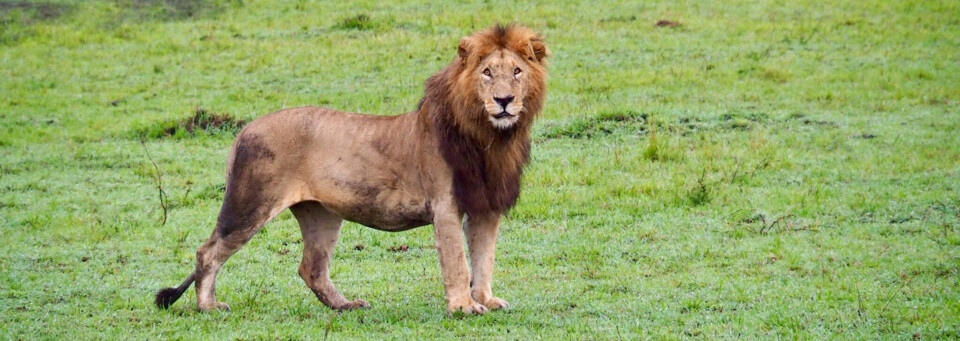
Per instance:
x=506, y=67
x=502, y=85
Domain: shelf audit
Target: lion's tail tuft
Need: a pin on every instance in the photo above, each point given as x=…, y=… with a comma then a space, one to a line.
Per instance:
x=167, y=296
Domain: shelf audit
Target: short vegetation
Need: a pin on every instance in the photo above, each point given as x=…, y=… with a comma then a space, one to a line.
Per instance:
x=720, y=169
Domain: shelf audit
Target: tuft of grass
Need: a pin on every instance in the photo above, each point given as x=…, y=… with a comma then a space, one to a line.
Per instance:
x=202, y=121
x=660, y=148
x=700, y=193
x=360, y=22
x=652, y=152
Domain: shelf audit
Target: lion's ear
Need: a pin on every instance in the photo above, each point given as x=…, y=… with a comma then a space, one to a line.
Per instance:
x=540, y=50
x=464, y=49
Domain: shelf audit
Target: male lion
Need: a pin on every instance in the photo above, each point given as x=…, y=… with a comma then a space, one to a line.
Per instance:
x=461, y=153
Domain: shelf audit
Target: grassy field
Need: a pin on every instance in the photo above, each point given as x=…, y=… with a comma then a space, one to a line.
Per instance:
x=766, y=169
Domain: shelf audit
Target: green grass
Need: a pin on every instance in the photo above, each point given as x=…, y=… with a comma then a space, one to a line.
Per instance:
x=767, y=169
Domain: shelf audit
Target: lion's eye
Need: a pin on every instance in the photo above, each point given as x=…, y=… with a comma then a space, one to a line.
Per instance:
x=516, y=71
x=486, y=72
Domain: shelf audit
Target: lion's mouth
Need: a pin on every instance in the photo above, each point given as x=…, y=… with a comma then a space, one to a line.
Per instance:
x=503, y=114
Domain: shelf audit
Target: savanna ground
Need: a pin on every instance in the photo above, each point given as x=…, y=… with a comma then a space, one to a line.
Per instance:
x=766, y=169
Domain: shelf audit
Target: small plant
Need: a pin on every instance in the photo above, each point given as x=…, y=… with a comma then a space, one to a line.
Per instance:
x=700, y=193
x=652, y=152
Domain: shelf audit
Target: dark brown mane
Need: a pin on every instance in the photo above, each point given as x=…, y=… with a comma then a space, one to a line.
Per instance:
x=487, y=163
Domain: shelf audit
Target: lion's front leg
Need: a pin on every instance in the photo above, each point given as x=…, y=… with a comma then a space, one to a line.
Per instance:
x=453, y=264
x=482, y=239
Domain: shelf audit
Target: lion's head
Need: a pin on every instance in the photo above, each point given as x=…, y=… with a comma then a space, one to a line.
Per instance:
x=502, y=76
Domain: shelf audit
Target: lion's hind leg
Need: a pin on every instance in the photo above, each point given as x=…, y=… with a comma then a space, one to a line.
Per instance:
x=241, y=217
x=321, y=230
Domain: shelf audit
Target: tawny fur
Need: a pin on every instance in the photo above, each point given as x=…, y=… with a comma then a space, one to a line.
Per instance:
x=460, y=154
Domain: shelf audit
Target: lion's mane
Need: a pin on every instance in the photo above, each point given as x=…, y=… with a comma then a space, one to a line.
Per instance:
x=487, y=162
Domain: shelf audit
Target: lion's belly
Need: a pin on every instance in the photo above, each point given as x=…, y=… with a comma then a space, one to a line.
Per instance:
x=384, y=217
x=381, y=207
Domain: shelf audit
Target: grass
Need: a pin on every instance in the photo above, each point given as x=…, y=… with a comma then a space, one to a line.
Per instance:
x=763, y=169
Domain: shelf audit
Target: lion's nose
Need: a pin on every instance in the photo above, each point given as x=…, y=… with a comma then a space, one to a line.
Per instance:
x=503, y=101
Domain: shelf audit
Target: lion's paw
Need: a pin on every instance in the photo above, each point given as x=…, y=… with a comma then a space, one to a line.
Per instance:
x=471, y=307
x=357, y=304
x=495, y=303
x=215, y=306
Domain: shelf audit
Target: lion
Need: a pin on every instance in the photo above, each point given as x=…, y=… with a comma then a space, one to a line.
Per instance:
x=456, y=162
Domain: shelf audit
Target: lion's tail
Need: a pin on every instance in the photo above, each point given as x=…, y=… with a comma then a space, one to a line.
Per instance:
x=166, y=297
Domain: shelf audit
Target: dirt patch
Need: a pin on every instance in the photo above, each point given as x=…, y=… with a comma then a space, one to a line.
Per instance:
x=821, y=123
x=730, y=121
x=173, y=9
x=620, y=18
x=398, y=248
x=807, y=121
x=634, y=122
x=603, y=124
x=668, y=23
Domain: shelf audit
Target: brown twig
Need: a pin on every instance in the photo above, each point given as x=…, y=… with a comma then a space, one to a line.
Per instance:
x=859, y=305
x=735, y=172
x=764, y=163
x=768, y=227
x=893, y=295
x=163, y=195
